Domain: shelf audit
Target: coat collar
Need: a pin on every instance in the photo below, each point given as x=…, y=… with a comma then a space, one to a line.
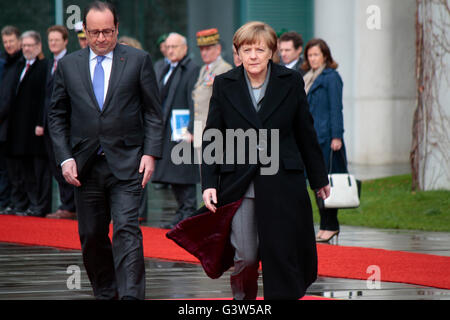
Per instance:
x=182, y=65
x=23, y=63
x=320, y=79
x=239, y=96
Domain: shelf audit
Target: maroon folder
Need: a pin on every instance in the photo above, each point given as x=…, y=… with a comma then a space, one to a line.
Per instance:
x=207, y=237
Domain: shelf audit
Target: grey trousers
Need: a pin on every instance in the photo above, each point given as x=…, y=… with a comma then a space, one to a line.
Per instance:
x=244, y=238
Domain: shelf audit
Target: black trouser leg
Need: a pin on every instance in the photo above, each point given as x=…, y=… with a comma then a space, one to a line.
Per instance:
x=42, y=186
x=5, y=185
x=16, y=174
x=329, y=220
x=66, y=191
x=186, y=196
x=115, y=269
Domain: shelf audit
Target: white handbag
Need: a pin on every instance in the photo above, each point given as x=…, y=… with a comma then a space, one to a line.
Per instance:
x=344, y=192
x=345, y=189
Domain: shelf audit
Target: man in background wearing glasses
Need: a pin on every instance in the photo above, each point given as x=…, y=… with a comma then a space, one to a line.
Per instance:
x=106, y=125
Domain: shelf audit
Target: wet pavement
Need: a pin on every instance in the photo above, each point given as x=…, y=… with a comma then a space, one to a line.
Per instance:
x=39, y=273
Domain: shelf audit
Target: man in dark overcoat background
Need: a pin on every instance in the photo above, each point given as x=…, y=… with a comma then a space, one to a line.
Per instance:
x=177, y=83
x=26, y=157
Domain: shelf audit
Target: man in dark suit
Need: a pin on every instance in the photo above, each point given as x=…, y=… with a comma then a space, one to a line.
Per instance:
x=105, y=122
x=161, y=64
x=8, y=83
x=177, y=83
x=26, y=159
x=291, y=46
x=57, y=42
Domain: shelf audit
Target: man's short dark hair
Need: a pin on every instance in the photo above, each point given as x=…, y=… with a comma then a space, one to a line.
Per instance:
x=61, y=29
x=10, y=30
x=101, y=6
x=294, y=36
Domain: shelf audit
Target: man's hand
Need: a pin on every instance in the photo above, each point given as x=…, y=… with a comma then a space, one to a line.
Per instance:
x=324, y=192
x=147, y=166
x=70, y=173
x=39, y=131
x=210, y=198
x=188, y=137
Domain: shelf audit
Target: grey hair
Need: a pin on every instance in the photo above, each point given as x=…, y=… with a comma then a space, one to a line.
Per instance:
x=32, y=34
x=177, y=34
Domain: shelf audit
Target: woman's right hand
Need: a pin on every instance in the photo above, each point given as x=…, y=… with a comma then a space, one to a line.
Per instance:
x=336, y=144
x=210, y=198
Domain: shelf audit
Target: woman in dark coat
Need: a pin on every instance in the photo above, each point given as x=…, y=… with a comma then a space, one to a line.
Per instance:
x=323, y=86
x=274, y=222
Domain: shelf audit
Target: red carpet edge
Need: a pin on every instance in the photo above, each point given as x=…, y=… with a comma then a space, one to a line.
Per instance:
x=334, y=261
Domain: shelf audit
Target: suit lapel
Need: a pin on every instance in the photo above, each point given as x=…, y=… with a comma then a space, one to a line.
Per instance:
x=118, y=64
x=21, y=67
x=171, y=94
x=83, y=66
x=240, y=99
x=50, y=76
x=27, y=74
x=277, y=89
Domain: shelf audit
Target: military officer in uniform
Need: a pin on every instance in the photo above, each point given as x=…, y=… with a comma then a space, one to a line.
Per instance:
x=208, y=42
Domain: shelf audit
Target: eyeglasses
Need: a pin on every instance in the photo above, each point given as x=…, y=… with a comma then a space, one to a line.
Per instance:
x=173, y=46
x=31, y=45
x=106, y=33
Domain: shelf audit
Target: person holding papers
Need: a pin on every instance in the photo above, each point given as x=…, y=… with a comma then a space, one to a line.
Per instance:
x=176, y=84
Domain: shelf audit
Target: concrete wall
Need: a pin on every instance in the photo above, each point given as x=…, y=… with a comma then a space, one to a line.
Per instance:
x=378, y=70
x=206, y=14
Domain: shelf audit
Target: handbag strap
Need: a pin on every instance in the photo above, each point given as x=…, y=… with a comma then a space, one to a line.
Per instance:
x=341, y=152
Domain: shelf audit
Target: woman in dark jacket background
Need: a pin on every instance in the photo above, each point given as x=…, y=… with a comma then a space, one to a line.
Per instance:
x=323, y=86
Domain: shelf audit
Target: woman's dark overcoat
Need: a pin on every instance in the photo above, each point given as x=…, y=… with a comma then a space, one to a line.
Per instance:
x=283, y=208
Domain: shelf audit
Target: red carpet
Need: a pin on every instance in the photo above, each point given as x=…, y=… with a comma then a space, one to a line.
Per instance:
x=334, y=261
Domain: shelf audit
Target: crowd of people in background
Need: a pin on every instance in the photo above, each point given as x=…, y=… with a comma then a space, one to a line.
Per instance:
x=27, y=161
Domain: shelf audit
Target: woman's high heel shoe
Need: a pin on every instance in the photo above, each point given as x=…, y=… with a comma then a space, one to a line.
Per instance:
x=334, y=234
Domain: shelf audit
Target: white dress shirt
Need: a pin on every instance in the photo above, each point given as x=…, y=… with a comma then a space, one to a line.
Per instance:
x=30, y=62
x=57, y=58
x=106, y=64
x=292, y=64
x=172, y=67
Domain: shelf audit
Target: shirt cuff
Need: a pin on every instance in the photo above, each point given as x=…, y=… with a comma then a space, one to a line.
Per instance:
x=62, y=163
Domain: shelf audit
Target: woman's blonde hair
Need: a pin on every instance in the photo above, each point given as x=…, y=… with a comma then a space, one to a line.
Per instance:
x=253, y=32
